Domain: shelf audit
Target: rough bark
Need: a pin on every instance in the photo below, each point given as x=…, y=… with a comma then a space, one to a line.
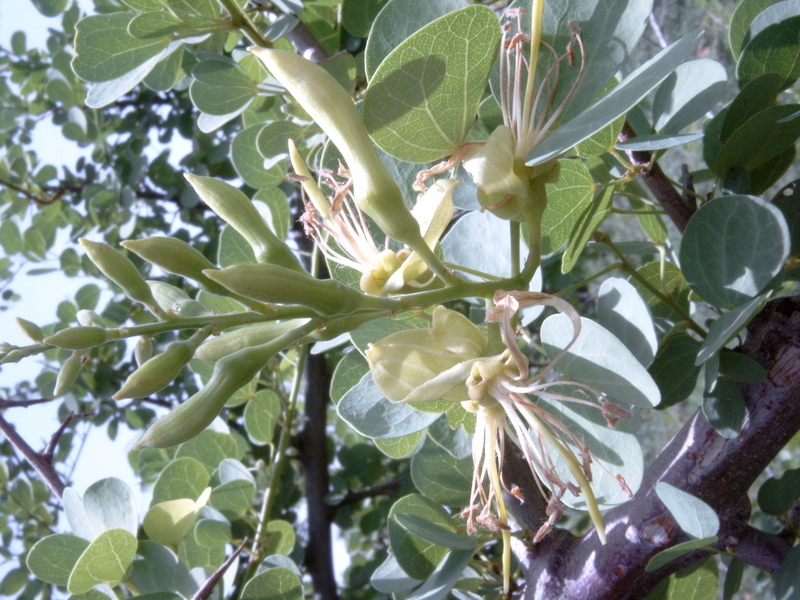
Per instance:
x=697, y=460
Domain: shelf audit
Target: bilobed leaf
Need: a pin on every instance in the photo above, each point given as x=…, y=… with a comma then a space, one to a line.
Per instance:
x=273, y=139
x=260, y=415
x=397, y=21
x=105, y=51
x=278, y=583
x=154, y=24
x=182, y=478
x=110, y=504
x=567, y=198
x=732, y=248
x=724, y=408
x=623, y=311
x=754, y=97
x=220, y=87
x=773, y=49
x=10, y=238
x=674, y=369
x=159, y=570
x=598, y=359
x=614, y=104
x=776, y=495
x=727, y=327
x=233, y=248
x=280, y=537
x=738, y=32
x=440, y=476
x=351, y=368
x=676, y=551
x=236, y=489
x=50, y=8
x=417, y=557
x=688, y=94
x=210, y=448
x=366, y=409
x=408, y=108
x=168, y=522
x=249, y=164
x=52, y=558
x=105, y=561
x=400, y=447
x=740, y=367
x=693, y=515
x=456, y=442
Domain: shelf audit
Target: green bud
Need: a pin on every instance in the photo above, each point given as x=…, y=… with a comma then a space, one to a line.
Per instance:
x=174, y=301
x=119, y=269
x=143, y=349
x=78, y=338
x=69, y=373
x=274, y=284
x=32, y=330
x=236, y=209
x=89, y=318
x=332, y=108
x=159, y=371
x=221, y=346
x=197, y=413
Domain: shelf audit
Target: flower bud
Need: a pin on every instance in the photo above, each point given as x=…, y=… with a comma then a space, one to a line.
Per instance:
x=89, y=318
x=69, y=373
x=331, y=107
x=174, y=301
x=119, y=269
x=32, y=330
x=78, y=338
x=143, y=350
x=236, y=209
x=197, y=413
x=221, y=346
x=273, y=284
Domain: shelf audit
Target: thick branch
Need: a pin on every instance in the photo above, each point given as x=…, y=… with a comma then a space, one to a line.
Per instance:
x=701, y=462
x=678, y=208
x=42, y=464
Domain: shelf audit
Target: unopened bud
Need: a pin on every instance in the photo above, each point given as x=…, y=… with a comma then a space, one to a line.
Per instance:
x=78, y=338
x=32, y=330
x=69, y=373
x=89, y=318
x=158, y=372
x=143, y=350
x=119, y=269
x=221, y=346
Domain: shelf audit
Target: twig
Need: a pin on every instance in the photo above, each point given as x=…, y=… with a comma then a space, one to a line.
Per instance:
x=355, y=497
x=208, y=587
x=662, y=40
x=51, y=445
x=21, y=403
x=42, y=465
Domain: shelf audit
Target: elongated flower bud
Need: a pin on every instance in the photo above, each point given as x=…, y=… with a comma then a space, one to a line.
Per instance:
x=162, y=369
x=174, y=256
x=221, y=346
x=119, y=269
x=274, y=284
x=194, y=415
x=143, y=350
x=89, y=318
x=174, y=301
x=69, y=373
x=333, y=110
x=32, y=330
x=238, y=211
x=78, y=338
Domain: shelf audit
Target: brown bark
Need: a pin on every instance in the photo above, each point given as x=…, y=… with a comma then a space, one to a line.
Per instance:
x=717, y=470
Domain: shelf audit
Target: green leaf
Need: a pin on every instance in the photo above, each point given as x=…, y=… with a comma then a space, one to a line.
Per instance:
x=274, y=137
x=195, y=12
x=106, y=560
x=774, y=49
x=52, y=558
x=105, y=51
x=688, y=94
x=221, y=87
x=210, y=448
x=168, y=522
x=724, y=408
x=732, y=248
x=390, y=578
x=154, y=24
x=762, y=137
x=739, y=29
x=733, y=579
x=280, y=538
x=481, y=242
x=623, y=311
x=777, y=495
x=567, y=199
x=787, y=580
x=417, y=557
x=14, y=581
x=260, y=416
x=456, y=442
x=397, y=21
x=444, y=578
x=598, y=359
x=236, y=489
x=697, y=582
x=434, y=533
x=233, y=248
x=650, y=143
x=674, y=369
x=693, y=515
x=757, y=95
x=351, y=368
x=110, y=504
x=50, y=8
x=358, y=15
x=676, y=551
x=193, y=555
x=87, y=296
x=740, y=367
x=672, y=284
x=279, y=211
x=183, y=477
x=167, y=72
x=400, y=447
x=366, y=409
x=159, y=570
x=440, y=476
x=408, y=107
x=614, y=104
x=278, y=583
x=10, y=238
x=249, y=164
x=211, y=533
x=727, y=327
x=588, y=222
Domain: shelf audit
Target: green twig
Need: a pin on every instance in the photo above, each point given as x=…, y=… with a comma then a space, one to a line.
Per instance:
x=241, y=21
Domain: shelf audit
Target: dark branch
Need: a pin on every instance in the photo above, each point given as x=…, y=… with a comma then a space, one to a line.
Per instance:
x=355, y=497
x=208, y=587
x=42, y=465
x=47, y=454
x=699, y=461
x=678, y=208
x=22, y=403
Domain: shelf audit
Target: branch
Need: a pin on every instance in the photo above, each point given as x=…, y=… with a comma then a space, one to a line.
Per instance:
x=699, y=461
x=208, y=587
x=679, y=209
x=43, y=463
x=351, y=498
x=22, y=403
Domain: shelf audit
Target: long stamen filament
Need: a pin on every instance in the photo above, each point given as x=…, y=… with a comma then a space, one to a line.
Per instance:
x=490, y=452
x=537, y=8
